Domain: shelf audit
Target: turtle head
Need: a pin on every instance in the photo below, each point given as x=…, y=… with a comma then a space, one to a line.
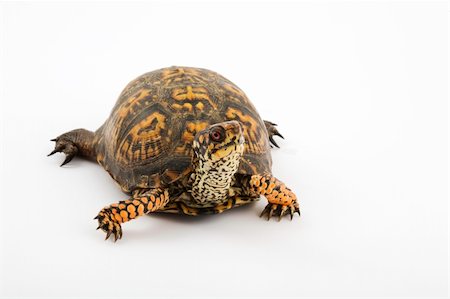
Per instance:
x=220, y=141
x=218, y=150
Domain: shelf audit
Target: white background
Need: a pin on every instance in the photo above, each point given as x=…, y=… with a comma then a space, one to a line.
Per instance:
x=358, y=89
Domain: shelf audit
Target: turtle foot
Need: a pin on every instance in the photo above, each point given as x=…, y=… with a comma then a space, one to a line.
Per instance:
x=280, y=210
x=65, y=146
x=108, y=224
x=272, y=130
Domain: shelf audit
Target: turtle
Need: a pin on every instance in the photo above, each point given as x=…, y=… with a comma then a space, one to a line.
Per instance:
x=182, y=140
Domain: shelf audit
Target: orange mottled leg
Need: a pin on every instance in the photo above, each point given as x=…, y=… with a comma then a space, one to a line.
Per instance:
x=282, y=200
x=110, y=217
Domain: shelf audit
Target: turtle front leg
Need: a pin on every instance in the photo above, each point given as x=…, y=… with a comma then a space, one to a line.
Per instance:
x=111, y=217
x=282, y=200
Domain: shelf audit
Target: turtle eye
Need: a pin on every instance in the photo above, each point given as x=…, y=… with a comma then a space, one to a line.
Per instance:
x=217, y=134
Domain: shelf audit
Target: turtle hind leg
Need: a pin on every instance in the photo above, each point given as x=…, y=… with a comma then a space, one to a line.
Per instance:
x=76, y=142
x=272, y=130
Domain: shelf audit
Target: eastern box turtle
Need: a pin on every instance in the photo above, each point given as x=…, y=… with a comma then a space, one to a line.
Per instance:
x=182, y=140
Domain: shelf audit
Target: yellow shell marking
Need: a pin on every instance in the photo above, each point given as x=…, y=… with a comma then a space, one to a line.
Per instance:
x=186, y=94
x=141, y=136
x=255, y=141
x=179, y=74
x=129, y=106
x=192, y=128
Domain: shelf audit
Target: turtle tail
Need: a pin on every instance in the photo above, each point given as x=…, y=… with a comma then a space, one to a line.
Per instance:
x=79, y=142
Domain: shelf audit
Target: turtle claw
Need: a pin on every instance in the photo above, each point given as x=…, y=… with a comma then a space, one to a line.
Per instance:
x=278, y=134
x=292, y=211
x=283, y=212
x=108, y=224
x=68, y=158
x=53, y=152
x=267, y=210
x=273, y=141
x=280, y=210
x=270, y=126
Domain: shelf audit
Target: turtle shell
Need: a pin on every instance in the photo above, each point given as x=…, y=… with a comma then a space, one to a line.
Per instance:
x=147, y=139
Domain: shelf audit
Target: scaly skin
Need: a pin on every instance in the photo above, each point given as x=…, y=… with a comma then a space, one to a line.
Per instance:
x=110, y=217
x=282, y=200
